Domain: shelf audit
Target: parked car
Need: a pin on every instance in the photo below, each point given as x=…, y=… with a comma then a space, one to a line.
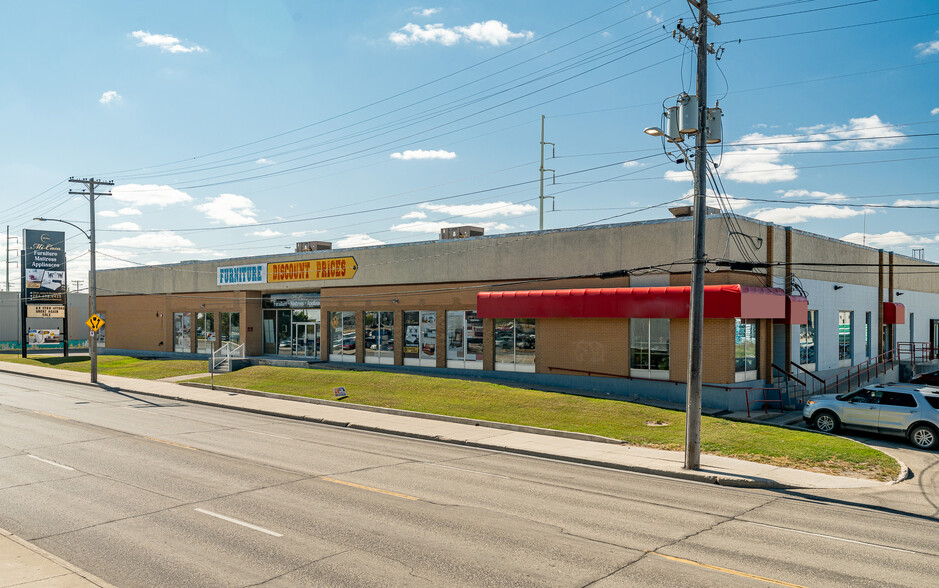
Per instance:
x=908, y=410
x=929, y=378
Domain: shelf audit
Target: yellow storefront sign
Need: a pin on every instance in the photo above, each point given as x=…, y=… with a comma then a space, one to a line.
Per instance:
x=336, y=268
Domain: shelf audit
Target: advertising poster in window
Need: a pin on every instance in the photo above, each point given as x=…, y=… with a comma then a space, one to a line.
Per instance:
x=428, y=335
x=412, y=337
x=43, y=271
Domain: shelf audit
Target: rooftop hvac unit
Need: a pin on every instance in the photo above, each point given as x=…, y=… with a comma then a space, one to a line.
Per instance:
x=713, y=128
x=672, y=134
x=688, y=114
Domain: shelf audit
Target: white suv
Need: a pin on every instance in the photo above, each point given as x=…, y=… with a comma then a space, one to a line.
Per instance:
x=909, y=410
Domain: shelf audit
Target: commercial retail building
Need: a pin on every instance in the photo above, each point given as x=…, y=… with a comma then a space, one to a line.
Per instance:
x=606, y=306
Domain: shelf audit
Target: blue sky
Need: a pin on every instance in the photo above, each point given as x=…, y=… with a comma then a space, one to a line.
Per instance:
x=238, y=128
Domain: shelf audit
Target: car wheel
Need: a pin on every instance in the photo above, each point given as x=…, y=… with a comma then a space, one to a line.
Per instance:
x=924, y=437
x=825, y=421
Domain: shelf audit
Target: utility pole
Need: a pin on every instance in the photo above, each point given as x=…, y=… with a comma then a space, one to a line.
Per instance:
x=696, y=339
x=543, y=170
x=8, y=258
x=90, y=194
x=77, y=284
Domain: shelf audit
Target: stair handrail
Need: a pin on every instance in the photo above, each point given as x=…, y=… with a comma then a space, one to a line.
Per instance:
x=865, y=367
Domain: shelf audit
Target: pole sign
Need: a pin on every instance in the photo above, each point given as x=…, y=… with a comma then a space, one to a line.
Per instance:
x=43, y=273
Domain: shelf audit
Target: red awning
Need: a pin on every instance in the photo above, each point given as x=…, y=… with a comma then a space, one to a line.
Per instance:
x=720, y=301
x=894, y=313
x=797, y=311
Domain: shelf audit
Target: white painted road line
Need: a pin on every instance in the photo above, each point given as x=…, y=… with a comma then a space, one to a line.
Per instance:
x=831, y=537
x=237, y=522
x=58, y=465
x=267, y=434
x=437, y=465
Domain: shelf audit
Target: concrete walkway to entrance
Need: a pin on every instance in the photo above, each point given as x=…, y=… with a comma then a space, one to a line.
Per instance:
x=27, y=564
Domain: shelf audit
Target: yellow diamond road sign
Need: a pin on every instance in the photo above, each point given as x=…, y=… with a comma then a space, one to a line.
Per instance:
x=95, y=322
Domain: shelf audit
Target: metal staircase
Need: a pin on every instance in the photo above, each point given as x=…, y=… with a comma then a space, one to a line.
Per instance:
x=221, y=360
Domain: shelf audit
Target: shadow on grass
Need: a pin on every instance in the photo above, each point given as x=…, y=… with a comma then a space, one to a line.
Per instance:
x=60, y=360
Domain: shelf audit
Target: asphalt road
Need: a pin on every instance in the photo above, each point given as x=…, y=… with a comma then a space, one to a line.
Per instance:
x=145, y=492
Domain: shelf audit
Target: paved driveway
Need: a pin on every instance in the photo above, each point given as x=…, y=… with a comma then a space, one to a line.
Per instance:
x=918, y=494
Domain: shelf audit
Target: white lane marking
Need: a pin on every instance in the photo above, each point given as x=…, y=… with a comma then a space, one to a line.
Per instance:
x=237, y=522
x=58, y=465
x=832, y=537
x=437, y=465
x=267, y=434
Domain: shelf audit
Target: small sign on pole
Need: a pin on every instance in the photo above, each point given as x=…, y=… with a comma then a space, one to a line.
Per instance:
x=340, y=392
x=95, y=322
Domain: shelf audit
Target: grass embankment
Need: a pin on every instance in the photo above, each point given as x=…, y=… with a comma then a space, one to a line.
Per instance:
x=632, y=423
x=117, y=365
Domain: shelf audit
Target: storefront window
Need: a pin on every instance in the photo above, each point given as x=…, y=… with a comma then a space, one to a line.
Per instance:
x=845, y=337
x=342, y=336
x=205, y=332
x=648, y=348
x=514, y=341
x=379, y=337
x=807, y=337
x=464, y=340
x=284, y=334
x=420, y=338
x=745, y=350
x=229, y=327
x=182, y=332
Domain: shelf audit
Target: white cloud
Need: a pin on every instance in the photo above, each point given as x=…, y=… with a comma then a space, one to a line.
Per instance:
x=121, y=212
x=127, y=226
x=654, y=17
x=800, y=214
x=823, y=196
x=166, y=43
x=357, y=240
x=414, y=214
x=149, y=195
x=903, y=202
x=422, y=154
x=761, y=159
x=889, y=239
x=430, y=33
x=230, y=209
x=928, y=48
x=264, y=161
x=266, y=233
x=305, y=233
x=155, y=241
x=109, y=97
x=934, y=111
x=485, y=210
x=425, y=12
x=108, y=213
x=736, y=204
x=435, y=226
x=490, y=32
x=631, y=164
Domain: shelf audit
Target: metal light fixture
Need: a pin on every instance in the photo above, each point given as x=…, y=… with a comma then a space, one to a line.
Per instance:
x=837, y=287
x=654, y=131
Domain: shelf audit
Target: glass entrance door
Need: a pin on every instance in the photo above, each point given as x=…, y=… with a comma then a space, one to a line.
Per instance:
x=306, y=339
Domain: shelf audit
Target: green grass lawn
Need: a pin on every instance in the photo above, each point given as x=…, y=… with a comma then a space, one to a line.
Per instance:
x=117, y=365
x=632, y=423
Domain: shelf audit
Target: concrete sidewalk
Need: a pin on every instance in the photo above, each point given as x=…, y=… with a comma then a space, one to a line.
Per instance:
x=24, y=564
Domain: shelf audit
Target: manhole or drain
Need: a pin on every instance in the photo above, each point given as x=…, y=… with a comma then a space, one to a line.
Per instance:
x=657, y=424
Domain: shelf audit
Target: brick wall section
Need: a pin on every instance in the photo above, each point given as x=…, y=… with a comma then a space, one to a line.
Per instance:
x=573, y=346
x=718, y=355
x=144, y=322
